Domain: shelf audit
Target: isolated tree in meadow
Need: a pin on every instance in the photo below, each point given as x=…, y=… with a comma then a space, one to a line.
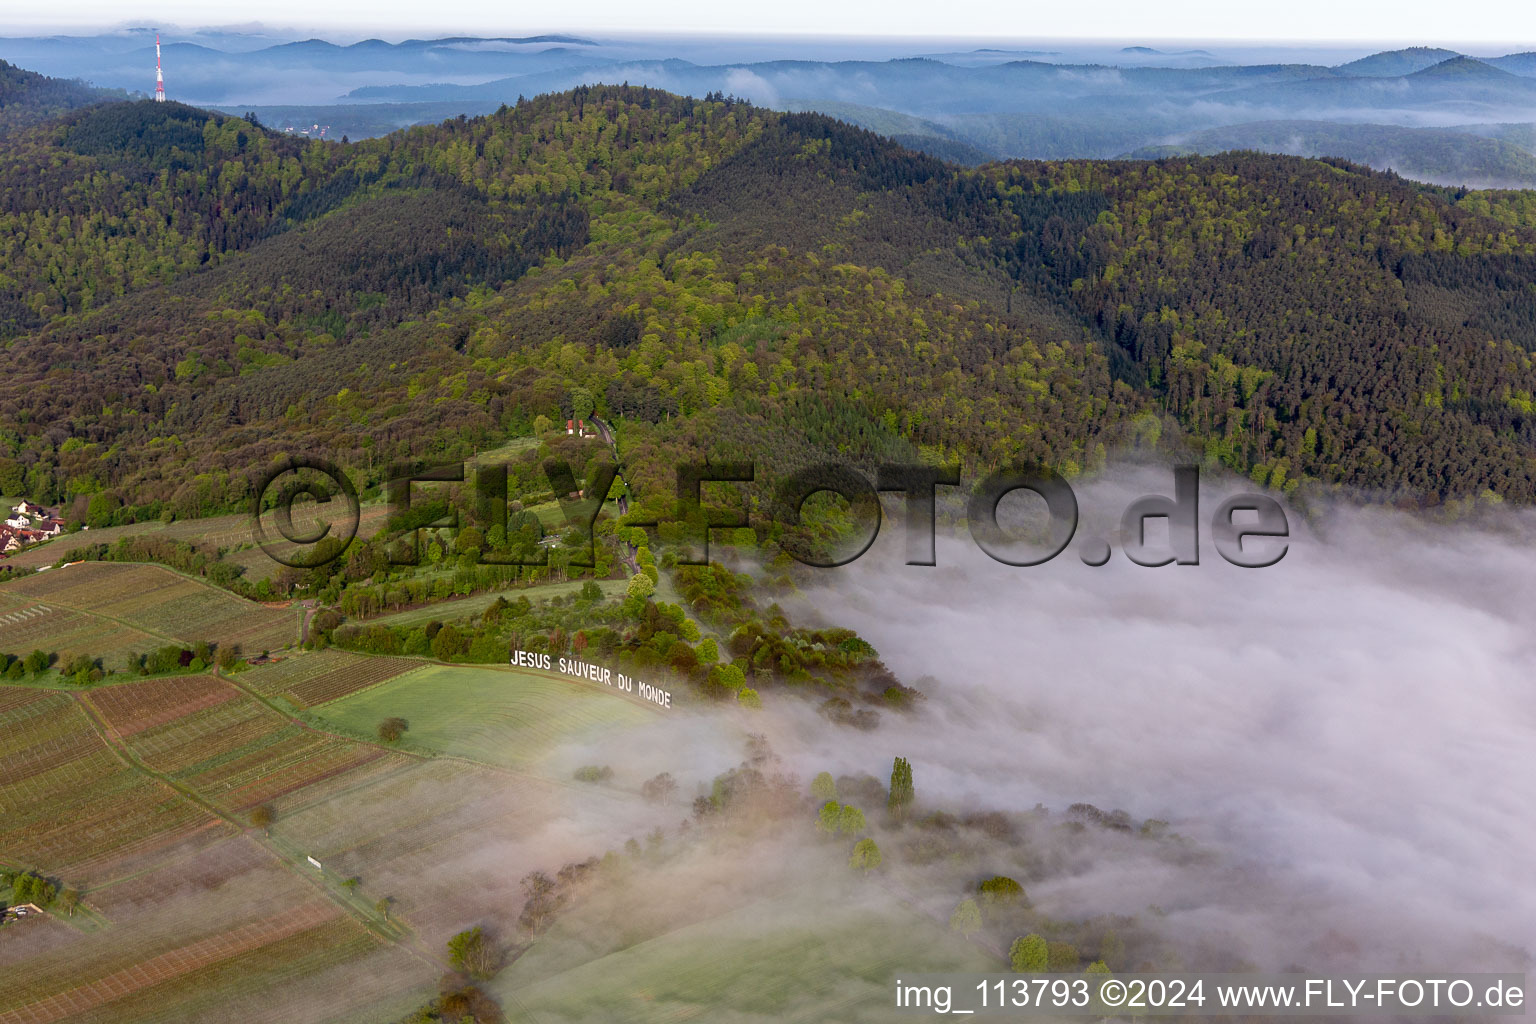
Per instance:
x=391, y=729
x=902, y=791
x=967, y=918
x=69, y=899
x=850, y=821
x=1029, y=954
x=263, y=817
x=823, y=787
x=383, y=905
x=866, y=855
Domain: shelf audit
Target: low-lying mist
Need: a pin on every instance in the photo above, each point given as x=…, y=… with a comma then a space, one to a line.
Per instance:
x=1350, y=730
x=1340, y=742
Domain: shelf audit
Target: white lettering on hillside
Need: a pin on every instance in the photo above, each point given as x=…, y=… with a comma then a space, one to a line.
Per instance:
x=592, y=674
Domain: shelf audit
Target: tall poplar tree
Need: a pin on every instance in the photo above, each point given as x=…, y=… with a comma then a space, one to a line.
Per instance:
x=902, y=793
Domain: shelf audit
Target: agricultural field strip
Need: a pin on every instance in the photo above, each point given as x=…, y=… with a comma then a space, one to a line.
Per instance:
x=136, y=627
x=136, y=707
x=363, y=775
x=25, y=613
x=188, y=792
x=69, y=784
x=300, y=773
x=332, y=928
x=125, y=754
x=111, y=749
x=14, y=698
x=425, y=834
x=170, y=965
x=537, y=702
x=227, y=727
x=276, y=676
x=154, y=599
x=26, y=623
x=347, y=679
x=223, y=532
x=42, y=735
x=238, y=751
x=273, y=984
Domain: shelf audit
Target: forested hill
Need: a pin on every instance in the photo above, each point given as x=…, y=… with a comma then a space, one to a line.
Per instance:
x=185, y=296
x=28, y=98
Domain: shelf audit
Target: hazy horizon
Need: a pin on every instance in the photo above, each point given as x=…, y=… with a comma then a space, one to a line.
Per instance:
x=895, y=42
x=983, y=23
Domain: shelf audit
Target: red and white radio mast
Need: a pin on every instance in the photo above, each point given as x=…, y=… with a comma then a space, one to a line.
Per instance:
x=159, y=78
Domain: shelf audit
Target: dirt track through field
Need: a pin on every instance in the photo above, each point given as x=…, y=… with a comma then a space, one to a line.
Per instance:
x=169, y=965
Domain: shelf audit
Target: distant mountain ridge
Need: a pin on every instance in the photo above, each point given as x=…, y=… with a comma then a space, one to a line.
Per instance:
x=1439, y=155
x=969, y=105
x=1394, y=63
x=27, y=97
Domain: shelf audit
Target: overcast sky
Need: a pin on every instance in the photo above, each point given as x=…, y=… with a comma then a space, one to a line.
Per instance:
x=1300, y=20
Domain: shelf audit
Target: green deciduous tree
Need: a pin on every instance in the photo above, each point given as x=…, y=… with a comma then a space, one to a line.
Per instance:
x=866, y=855
x=473, y=953
x=1029, y=953
x=967, y=918
x=1063, y=956
x=30, y=887
x=830, y=818
x=1001, y=891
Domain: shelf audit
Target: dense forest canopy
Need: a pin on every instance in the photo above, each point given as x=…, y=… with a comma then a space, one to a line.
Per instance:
x=185, y=296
